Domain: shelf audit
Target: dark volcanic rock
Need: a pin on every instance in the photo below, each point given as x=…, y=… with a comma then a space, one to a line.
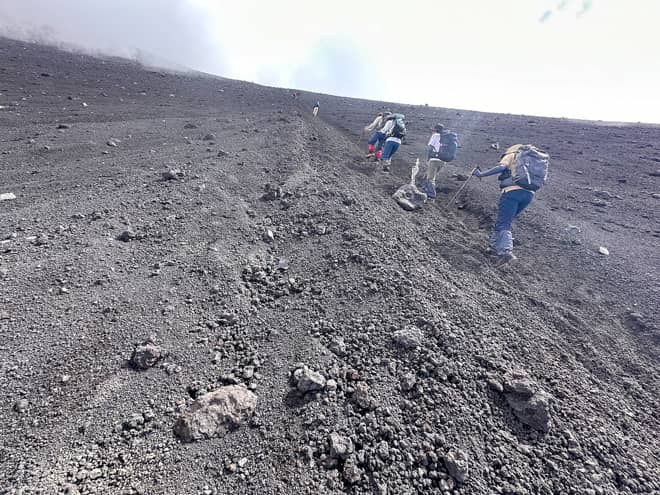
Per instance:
x=530, y=405
x=145, y=356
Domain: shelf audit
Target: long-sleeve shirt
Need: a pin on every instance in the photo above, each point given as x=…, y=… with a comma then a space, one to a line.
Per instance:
x=387, y=128
x=507, y=163
x=376, y=124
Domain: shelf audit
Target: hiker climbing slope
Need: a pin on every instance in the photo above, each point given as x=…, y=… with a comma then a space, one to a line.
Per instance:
x=377, y=139
x=315, y=110
x=441, y=149
x=394, y=130
x=523, y=170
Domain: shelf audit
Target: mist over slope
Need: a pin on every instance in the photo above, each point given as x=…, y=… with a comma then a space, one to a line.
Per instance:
x=251, y=245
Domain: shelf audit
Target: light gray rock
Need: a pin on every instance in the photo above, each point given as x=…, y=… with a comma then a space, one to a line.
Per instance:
x=408, y=382
x=7, y=196
x=456, y=462
x=307, y=380
x=408, y=338
x=340, y=447
x=216, y=413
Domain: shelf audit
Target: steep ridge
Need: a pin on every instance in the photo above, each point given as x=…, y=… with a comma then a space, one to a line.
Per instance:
x=403, y=312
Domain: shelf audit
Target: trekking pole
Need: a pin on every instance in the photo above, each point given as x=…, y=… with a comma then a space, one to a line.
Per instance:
x=461, y=188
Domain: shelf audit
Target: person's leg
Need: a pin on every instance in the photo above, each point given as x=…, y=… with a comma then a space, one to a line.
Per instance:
x=371, y=144
x=390, y=149
x=524, y=199
x=502, y=240
x=431, y=172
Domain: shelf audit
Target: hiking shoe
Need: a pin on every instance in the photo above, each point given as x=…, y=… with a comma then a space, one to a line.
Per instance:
x=371, y=155
x=505, y=258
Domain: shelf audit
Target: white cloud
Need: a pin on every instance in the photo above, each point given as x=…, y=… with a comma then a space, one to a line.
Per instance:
x=575, y=58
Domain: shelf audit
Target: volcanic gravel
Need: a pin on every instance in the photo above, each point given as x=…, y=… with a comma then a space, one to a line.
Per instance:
x=169, y=238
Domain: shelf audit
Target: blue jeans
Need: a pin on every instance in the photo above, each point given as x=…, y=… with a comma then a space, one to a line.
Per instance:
x=511, y=204
x=390, y=149
x=377, y=138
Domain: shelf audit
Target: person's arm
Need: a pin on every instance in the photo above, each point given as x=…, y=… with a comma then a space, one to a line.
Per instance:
x=374, y=124
x=498, y=169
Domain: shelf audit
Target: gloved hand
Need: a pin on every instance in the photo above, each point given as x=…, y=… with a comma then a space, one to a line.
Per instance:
x=476, y=172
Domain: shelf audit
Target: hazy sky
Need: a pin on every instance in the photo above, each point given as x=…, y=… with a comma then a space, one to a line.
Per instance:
x=593, y=59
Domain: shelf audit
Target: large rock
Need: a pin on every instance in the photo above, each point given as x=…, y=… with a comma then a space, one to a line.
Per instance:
x=216, y=413
x=409, y=197
x=529, y=404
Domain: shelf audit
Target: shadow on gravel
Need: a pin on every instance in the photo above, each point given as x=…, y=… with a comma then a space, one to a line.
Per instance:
x=296, y=400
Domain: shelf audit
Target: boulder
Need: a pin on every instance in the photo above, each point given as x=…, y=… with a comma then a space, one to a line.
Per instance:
x=409, y=197
x=216, y=413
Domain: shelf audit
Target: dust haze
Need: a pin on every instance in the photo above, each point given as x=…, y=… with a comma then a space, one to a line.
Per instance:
x=167, y=33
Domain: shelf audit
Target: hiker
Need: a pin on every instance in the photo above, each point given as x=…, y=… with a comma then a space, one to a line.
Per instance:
x=394, y=130
x=377, y=139
x=523, y=170
x=315, y=111
x=441, y=149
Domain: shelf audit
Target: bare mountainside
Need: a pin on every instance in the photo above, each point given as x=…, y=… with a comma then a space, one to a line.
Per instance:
x=204, y=290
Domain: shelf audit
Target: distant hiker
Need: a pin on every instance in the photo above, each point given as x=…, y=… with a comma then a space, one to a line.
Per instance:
x=394, y=130
x=315, y=111
x=377, y=139
x=523, y=170
x=441, y=149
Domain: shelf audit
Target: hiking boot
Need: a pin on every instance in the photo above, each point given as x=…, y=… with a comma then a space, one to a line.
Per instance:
x=371, y=155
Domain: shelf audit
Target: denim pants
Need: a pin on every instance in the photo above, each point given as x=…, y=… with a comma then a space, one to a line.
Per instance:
x=377, y=139
x=511, y=204
x=390, y=149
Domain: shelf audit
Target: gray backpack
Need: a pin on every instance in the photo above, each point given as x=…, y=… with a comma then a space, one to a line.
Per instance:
x=531, y=168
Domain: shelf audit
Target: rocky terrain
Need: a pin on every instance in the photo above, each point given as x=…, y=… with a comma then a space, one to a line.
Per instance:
x=204, y=290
